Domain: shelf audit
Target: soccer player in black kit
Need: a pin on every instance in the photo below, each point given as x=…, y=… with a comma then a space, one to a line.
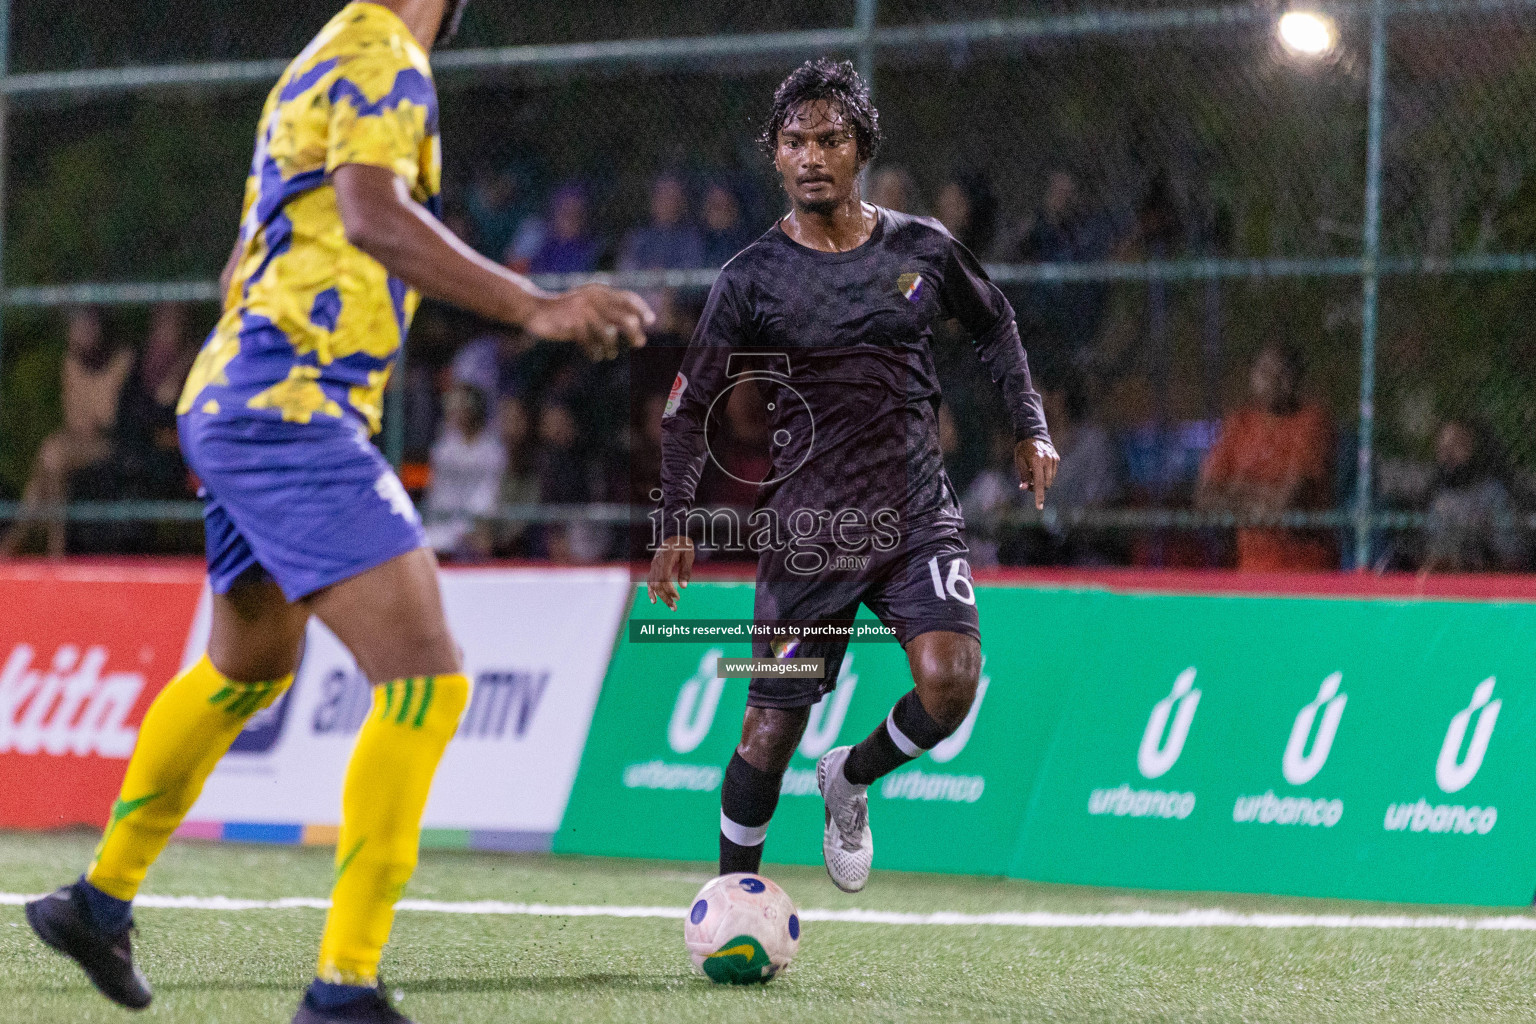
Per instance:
x=834, y=309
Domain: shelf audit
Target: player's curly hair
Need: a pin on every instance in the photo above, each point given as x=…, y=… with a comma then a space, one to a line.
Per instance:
x=835, y=82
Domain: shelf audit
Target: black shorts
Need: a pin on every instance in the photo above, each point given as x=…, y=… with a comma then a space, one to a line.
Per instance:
x=922, y=586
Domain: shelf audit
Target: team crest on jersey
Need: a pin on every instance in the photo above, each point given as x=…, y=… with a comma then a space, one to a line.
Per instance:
x=910, y=286
x=785, y=648
x=675, y=396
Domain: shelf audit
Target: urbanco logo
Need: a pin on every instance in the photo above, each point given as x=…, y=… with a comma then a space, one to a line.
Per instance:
x=1454, y=771
x=827, y=714
x=1299, y=764
x=1159, y=753
x=950, y=748
x=697, y=699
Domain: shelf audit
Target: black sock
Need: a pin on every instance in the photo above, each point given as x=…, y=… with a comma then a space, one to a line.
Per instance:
x=747, y=800
x=903, y=736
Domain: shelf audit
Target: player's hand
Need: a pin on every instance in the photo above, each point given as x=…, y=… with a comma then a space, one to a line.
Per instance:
x=1037, y=462
x=672, y=567
x=598, y=318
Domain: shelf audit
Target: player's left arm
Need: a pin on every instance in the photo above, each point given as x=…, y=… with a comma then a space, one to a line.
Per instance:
x=227, y=275
x=971, y=297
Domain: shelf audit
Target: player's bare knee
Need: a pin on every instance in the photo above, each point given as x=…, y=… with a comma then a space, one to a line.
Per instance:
x=769, y=736
x=411, y=651
x=946, y=684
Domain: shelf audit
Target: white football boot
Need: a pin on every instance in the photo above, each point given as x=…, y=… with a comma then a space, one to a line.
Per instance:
x=846, y=845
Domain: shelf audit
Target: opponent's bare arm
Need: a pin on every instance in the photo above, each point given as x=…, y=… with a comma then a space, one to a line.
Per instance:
x=227, y=275
x=671, y=567
x=1037, y=462
x=384, y=221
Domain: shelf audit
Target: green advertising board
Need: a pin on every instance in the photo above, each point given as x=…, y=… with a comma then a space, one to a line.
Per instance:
x=1373, y=749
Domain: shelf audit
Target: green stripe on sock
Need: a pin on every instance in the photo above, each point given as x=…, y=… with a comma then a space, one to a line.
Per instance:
x=250, y=697
x=221, y=696
x=389, y=699
x=405, y=705
x=346, y=861
x=426, y=702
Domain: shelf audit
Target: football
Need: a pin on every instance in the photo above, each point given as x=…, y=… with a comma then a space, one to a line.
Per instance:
x=741, y=930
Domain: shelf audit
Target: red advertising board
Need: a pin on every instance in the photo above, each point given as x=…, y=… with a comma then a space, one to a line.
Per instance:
x=83, y=650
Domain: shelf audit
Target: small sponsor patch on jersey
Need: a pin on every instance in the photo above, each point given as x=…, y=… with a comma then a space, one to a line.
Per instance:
x=910, y=286
x=675, y=396
x=785, y=648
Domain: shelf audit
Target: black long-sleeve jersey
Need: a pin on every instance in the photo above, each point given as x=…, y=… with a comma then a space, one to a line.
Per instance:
x=839, y=345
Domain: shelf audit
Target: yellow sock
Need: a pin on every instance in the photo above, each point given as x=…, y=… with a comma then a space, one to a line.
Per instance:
x=185, y=732
x=382, y=800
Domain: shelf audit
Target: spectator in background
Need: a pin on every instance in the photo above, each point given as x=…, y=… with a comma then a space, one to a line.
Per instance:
x=146, y=450
x=94, y=373
x=1273, y=456
x=563, y=480
x=497, y=203
x=967, y=207
x=1065, y=318
x=519, y=481
x=894, y=188
x=492, y=362
x=567, y=245
x=1095, y=478
x=669, y=241
x=467, y=465
x=992, y=495
x=1471, y=518
x=725, y=233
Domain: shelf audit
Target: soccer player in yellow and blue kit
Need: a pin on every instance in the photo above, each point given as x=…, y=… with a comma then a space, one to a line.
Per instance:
x=338, y=240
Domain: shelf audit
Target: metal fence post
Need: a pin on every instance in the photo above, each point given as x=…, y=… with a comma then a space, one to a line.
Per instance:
x=394, y=412
x=5, y=101
x=864, y=25
x=1370, y=278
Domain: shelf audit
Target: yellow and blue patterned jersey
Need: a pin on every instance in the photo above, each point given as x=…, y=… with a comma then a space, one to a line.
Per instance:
x=312, y=324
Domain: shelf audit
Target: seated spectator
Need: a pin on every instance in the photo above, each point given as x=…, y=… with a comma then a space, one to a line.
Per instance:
x=725, y=233
x=94, y=373
x=467, y=465
x=492, y=362
x=1092, y=476
x=1272, y=457
x=563, y=480
x=519, y=482
x=147, y=451
x=669, y=241
x=894, y=188
x=567, y=245
x=967, y=207
x=1471, y=517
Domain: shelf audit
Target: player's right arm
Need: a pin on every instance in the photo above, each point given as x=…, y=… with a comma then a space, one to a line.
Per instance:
x=384, y=221
x=722, y=328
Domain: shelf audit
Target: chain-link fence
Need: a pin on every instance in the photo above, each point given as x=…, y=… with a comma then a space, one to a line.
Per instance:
x=1163, y=190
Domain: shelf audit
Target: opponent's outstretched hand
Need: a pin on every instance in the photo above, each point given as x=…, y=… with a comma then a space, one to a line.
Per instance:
x=595, y=317
x=1037, y=462
x=672, y=566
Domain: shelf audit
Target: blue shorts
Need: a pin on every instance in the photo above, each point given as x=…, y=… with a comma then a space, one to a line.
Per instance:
x=310, y=504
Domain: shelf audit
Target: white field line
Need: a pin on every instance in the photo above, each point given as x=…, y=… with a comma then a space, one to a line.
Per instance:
x=1007, y=919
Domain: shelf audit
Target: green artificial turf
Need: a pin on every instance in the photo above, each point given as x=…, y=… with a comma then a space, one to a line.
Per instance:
x=217, y=967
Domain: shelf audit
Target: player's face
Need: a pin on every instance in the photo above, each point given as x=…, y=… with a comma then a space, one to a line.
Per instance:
x=817, y=156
